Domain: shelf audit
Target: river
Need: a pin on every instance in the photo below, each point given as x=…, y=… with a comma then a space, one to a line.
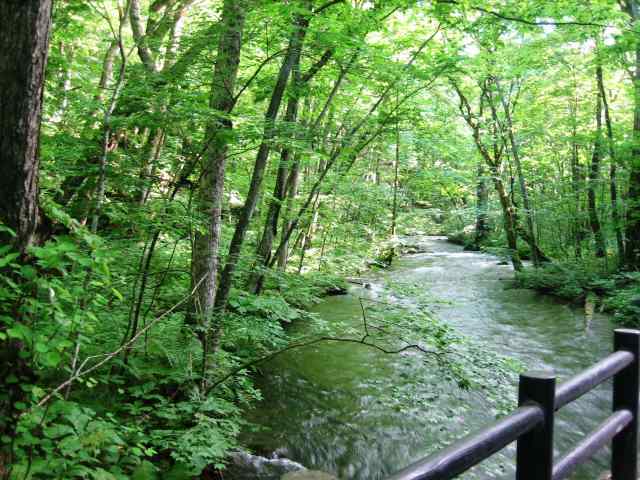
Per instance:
x=359, y=413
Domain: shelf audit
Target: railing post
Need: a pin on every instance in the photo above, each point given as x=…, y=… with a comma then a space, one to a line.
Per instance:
x=624, y=449
x=534, y=458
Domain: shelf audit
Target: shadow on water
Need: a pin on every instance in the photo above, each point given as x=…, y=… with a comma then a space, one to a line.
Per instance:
x=361, y=414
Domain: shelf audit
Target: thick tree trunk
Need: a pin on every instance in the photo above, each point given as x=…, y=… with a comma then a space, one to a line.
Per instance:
x=594, y=178
x=204, y=263
x=140, y=36
x=24, y=40
x=632, y=249
x=291, y=59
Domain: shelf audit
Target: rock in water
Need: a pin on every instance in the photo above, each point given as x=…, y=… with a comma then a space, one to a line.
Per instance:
x=308, y=475
x=246, y=466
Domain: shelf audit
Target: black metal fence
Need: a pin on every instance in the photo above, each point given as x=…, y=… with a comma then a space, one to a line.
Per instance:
x=531, y=424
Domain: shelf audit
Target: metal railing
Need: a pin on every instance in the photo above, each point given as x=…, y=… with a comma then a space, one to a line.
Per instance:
x=531, y=424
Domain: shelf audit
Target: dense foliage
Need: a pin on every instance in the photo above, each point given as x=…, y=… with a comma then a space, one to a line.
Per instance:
x=209, y=169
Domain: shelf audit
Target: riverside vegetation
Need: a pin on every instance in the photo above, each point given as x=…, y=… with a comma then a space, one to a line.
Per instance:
x=181, y=180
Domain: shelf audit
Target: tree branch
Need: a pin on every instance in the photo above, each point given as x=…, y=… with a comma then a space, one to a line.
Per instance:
x=526, y=21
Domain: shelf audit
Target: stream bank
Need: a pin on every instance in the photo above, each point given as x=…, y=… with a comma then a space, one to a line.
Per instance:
x=358, y=413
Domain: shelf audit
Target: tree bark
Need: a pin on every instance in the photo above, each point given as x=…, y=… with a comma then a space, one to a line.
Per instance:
x=291, y=58
x=24, y=41
x=204, y=263
x=632, y=249
x=396, y=164
x=482, y=206
x=594, y=178
x=279, y=193
x=508, y=218
x=613, y=181
x=106, y=77
x=515, y=153
x=576, y=179
x=493, y=161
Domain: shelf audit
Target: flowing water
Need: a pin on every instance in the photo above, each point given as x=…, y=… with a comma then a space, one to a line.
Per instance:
x=359, y=413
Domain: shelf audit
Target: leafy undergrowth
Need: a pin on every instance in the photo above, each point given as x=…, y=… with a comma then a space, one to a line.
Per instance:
x=619, y=292
x=138, y=412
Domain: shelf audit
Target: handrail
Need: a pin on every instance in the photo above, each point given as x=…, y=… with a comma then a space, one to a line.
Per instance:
x=593, y=376
x=474, y=448
x=531, y=424
x=593, y=442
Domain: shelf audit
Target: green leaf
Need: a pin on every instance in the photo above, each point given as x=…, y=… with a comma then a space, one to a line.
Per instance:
x=144, y=471
x=19, y=331
x=51, y=359
x=117, y=294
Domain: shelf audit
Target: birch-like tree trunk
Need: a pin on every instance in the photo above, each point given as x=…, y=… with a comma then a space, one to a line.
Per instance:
x=206, y=247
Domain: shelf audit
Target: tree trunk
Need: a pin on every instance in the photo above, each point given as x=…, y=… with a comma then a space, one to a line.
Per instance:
x=206, y=246
x=509, y=220
x=594, y=178
x=292, y=191
x=151, y=156
x=24, y=40
x=632, y=249
x=396, y=163
x=515, y=153
x=482, y=206
x=279, y=194
x=106, y=77
x=613, y=182
x=292, y=57
x=493, y=161
x=64, y=78
x=576, y=179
